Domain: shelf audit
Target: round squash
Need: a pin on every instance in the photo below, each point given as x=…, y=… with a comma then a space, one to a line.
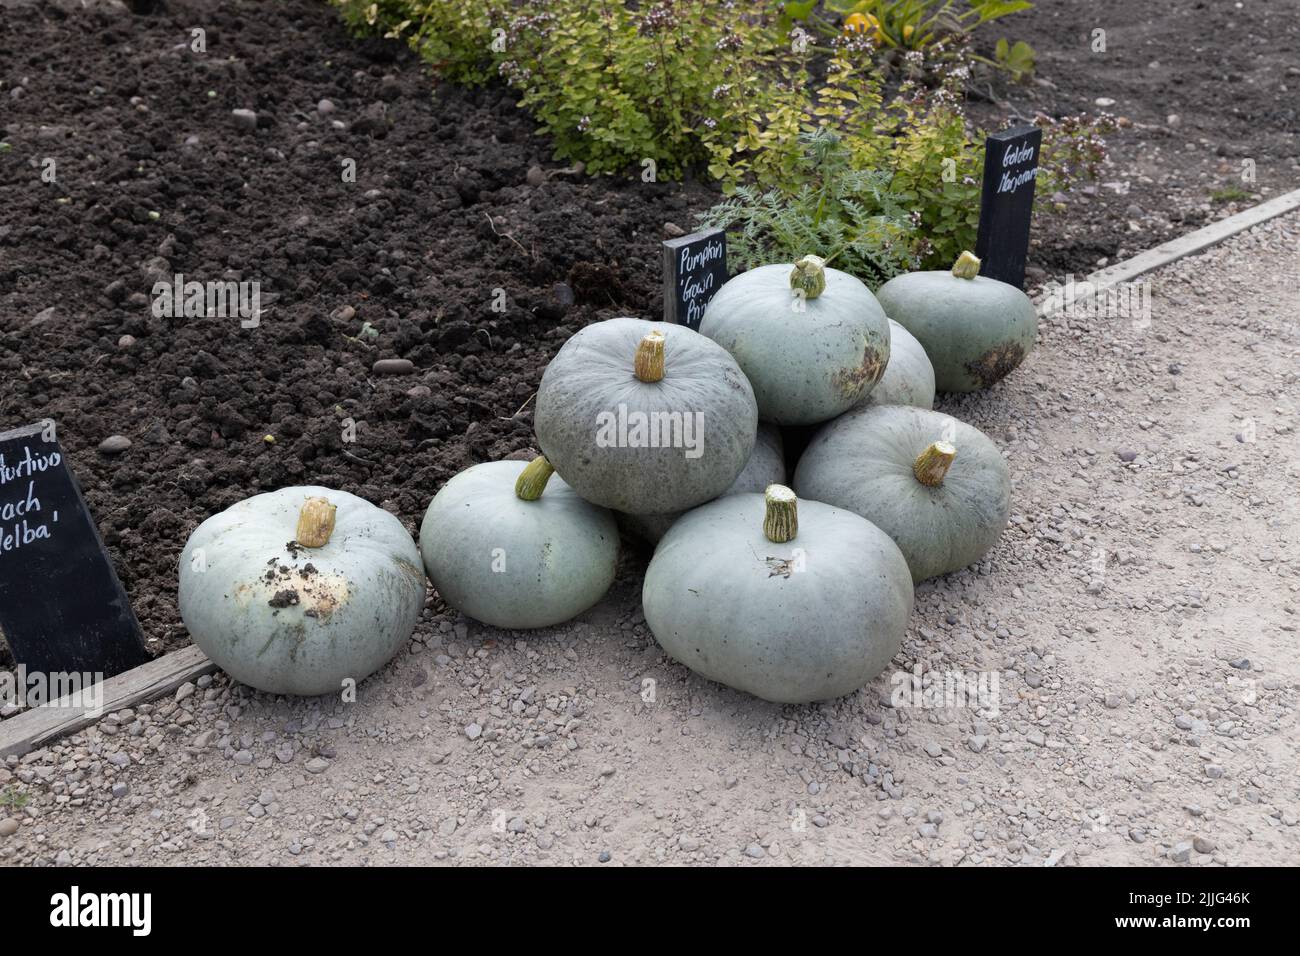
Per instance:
x=645, y=418
x=976, y=330
x=790, y=601
x=939, y=487
x=909, y=376
x=295, y=591
x=766, y=466
x=511, y=545
x=812, y=342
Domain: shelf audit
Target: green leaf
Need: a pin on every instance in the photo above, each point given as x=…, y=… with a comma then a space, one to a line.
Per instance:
x=993, y=9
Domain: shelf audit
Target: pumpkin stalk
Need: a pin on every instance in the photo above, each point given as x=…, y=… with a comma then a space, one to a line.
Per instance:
x=932, y=464
x=967, y=266
x=781, y=519
x=809, y=276
x=650, y=357
x=315, y=523
x=532, y=480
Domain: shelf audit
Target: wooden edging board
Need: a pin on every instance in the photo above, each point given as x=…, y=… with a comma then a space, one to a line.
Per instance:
x=1175, y=249
x=41, y=725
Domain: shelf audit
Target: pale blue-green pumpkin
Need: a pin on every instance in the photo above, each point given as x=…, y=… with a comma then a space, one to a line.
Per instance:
x=909, y=376
x=813, y=341
x=644, y=417
x=766, y=466
x=301, y=590
x=939, y=487
x=976, y=330
x=790, y=601
x=512, y=545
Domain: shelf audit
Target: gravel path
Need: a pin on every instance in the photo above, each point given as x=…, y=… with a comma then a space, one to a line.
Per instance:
x=1139, y=617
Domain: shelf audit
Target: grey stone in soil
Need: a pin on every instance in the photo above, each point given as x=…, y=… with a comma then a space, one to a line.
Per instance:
x=393, y=367
x=8, y=827
x=245, y=120
x=325, y=107
x=114, y=444
x=317, y=765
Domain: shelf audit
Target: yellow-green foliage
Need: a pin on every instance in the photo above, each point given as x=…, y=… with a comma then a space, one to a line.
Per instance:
x=742, y=90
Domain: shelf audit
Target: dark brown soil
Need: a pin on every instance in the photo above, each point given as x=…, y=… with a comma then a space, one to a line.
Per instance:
x=1206, y=85
x=438, y=220
x=154, y=178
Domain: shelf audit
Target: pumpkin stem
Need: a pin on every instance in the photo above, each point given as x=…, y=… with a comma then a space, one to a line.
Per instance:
x=650, y=357
x=781, y=519
x=967, y=266
x=932, y=464
x=809, y=276
x=315, y=523
x=532, y=480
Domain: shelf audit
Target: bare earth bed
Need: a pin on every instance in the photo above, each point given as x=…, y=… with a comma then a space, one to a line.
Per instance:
x=1140, y=614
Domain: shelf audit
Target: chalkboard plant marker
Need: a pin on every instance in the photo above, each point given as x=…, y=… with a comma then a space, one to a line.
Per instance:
x=62, y=608
x=1007, y=203
x=695, y=268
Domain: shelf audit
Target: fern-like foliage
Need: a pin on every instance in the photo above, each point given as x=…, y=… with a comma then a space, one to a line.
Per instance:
x=839, y=213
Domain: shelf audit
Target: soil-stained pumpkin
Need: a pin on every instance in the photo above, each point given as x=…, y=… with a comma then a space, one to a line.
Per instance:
x=792, y=601
x=976, y=330
x=509, y=543
x=939, y=487
x=298, y=590
x=645, y=417
x=813, y=341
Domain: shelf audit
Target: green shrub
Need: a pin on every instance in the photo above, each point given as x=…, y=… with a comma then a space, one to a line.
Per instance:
x=454, y=38
x=613, y=86
x=811, y=153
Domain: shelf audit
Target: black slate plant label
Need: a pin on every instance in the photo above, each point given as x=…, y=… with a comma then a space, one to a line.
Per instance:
x=1007, y=202
x=695, y=267
x=62, y=608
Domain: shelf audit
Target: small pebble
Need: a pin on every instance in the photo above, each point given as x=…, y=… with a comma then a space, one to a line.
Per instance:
x=114, y=444
x=393, y=367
